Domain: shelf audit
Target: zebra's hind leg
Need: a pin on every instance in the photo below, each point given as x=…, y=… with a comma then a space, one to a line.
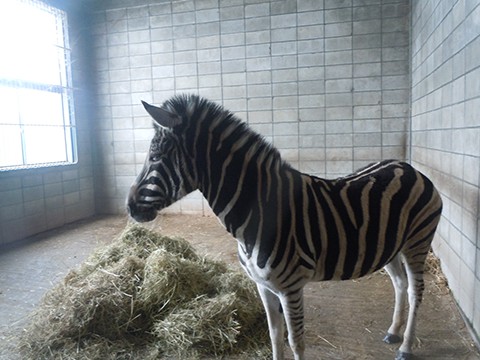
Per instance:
x=273, y=308
x=414, y=267
x=399, y=280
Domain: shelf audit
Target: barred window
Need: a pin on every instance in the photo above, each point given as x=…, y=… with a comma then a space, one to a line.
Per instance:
x=36, y=96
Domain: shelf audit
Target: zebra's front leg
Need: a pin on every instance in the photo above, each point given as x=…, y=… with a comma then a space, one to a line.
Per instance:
x=271, y=302
x=292, y=305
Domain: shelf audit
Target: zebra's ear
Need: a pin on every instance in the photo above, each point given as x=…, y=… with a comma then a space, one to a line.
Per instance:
x=162, y=117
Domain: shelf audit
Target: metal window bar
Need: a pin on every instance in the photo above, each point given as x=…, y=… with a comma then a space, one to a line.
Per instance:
x=64, y=88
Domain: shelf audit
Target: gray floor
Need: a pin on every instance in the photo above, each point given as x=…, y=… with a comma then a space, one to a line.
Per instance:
x=29, y=269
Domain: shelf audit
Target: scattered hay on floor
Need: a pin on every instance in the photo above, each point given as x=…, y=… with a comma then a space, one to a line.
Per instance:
x=433, y=267
x=148, y=296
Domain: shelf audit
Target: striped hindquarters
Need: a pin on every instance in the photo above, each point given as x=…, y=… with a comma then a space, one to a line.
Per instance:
x=366, y=218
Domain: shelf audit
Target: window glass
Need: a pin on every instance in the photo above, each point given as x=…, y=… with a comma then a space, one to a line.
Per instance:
x=36, y=107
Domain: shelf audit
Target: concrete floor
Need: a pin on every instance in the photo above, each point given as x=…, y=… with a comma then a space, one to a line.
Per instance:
x=28, y=269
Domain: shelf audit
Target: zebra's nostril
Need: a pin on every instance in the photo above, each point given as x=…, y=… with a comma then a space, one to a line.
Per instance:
x=131, y=199
x=131, y=209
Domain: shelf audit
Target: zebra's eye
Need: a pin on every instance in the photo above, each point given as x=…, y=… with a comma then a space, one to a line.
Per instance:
x=155, y=157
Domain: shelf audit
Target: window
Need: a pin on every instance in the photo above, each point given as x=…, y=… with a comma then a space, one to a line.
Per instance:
x=36, y=104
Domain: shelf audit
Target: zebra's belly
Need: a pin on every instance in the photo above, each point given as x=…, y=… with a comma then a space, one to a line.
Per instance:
x=350, y=263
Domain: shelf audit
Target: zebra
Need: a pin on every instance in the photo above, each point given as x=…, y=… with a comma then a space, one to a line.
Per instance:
x=291, y=227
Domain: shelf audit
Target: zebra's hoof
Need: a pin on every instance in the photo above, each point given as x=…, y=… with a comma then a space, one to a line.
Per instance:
x=403, y=356
x=392, y=339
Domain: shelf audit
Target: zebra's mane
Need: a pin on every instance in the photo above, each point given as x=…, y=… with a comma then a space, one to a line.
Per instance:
x=191, y=107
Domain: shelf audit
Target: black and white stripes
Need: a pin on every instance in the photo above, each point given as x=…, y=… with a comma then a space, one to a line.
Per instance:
x=291, y=227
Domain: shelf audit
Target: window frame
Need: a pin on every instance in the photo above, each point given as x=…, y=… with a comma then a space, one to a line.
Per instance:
x=64, y=88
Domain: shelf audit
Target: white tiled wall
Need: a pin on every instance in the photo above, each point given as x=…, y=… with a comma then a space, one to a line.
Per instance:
x=325, y=81
x=35, y=200
x=446, y=134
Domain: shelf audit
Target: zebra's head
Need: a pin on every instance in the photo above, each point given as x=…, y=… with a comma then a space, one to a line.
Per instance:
x=162, y=180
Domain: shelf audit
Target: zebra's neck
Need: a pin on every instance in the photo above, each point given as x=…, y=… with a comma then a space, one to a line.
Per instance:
x=237, y=170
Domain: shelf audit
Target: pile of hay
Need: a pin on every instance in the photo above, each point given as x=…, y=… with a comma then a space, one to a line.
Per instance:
x=148, y=296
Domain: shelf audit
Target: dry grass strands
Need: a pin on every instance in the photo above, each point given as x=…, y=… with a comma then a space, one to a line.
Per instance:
x=148, y=296
x=433, y=267
x=188, y=330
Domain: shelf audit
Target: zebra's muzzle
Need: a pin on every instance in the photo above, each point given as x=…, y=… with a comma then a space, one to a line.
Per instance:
x=141, y=213
x=138, y=211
